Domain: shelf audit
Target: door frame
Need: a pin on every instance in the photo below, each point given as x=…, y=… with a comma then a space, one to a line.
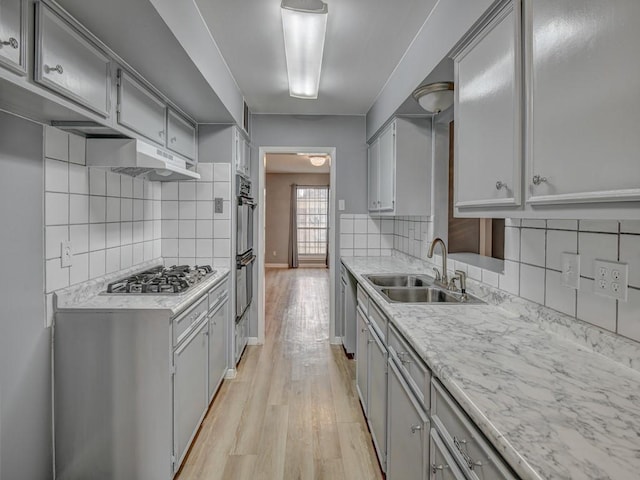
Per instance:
x=262, y=181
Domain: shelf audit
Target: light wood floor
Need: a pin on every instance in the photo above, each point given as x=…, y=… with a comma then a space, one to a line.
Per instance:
x=293, y=411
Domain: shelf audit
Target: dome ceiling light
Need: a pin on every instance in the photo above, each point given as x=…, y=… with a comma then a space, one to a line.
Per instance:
x=435, y=97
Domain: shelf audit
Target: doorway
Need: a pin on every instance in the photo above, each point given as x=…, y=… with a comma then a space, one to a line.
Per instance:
x=296, y=220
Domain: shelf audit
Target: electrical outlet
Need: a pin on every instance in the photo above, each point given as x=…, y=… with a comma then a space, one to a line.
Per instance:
x=612, y=279
x=66, y=254
x=570, y=270
x=341, y=205
x=218, y=205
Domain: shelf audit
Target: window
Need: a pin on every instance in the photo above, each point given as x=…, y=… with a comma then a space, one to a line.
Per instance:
x=313, y=219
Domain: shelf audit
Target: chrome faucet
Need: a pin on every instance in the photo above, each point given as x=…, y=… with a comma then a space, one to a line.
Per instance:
x=442, y=278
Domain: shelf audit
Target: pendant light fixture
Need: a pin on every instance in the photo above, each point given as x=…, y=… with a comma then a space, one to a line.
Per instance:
x=304, y=24
x=435, y=97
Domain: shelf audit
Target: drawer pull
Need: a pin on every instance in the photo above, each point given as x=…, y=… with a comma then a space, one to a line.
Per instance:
x=435, y=468
x=12, y=42
x=363, y=330
x=58, y=68
x=467, y=459
x=403, y=358
x=416, y=428
x=370, y=341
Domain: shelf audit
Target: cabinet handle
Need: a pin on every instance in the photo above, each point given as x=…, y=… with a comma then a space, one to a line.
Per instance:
x=435, y=468
x=402, y=357
x=58, y=68
x=161, y=133
x=173, y=139
x=363, y=330
x=500, y=185
x=12, y=42
x=415, y=428
x=537, y=179
x=370, y=341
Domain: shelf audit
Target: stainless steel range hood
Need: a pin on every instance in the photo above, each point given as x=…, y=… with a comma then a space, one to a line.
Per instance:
x=137, y=158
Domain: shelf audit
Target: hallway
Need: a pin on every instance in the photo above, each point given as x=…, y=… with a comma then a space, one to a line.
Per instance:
x=292, y=412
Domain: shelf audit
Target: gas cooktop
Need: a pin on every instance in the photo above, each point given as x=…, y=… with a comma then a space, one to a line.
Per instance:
x=161, y=280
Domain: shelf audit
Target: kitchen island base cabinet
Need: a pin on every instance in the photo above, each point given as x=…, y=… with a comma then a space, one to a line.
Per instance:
x=442, y=467
x=217, y=345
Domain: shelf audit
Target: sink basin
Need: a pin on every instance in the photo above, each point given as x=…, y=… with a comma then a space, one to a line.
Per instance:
x=426, y=295
x=400, y=280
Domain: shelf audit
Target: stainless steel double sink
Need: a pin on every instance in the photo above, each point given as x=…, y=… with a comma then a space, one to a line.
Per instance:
x=409, y=288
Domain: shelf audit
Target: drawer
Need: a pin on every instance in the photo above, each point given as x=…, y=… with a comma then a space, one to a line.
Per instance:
x=363, y=299
x=416, y=373
x=378, y=320
x=443, y=466
x=217, y=294
x=475, y=456
x=183, y=325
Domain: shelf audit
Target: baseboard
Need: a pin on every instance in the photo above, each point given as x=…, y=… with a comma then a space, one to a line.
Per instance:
x=336, y=341
x=231, y=373
x=312, y=265
x=252, y=341
x=276, y=265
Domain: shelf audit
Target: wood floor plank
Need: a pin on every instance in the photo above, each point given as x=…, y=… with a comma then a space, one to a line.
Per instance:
x=357, y=459
x=273, y=439
x=240, y=467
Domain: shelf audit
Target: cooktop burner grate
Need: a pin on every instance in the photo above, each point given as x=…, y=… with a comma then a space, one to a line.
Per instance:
x=161, y=280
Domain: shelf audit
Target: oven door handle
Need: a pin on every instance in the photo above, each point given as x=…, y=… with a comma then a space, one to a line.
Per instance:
x=246, y=201
x=247, y=261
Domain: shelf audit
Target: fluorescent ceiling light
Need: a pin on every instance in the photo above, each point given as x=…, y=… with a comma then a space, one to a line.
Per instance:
x=317, y=161
x=304, y=23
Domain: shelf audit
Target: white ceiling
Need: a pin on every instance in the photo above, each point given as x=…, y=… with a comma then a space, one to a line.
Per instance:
x=365, y=41
x=293, y=163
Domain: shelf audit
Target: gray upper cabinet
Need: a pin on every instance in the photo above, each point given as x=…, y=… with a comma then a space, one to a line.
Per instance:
x=584, y=116
x=69, y=64
x=13, y=35
x=488, y=113
x=140, y=110
x=181, y=135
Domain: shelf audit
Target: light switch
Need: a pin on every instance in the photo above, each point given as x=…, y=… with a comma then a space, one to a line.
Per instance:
x=218, y=205
x=341, y=205
x=66, y=254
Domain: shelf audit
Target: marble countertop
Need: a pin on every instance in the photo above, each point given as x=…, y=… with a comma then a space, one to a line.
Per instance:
x=88, y=296
x=552, y=407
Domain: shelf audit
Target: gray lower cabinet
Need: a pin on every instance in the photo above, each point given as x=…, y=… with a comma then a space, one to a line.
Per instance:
x=442, y=467
x=377, y=413
x=190, y=393
x=362, y=360
x=181, y=135
x=13, y=35
x=140, y=110
x=408, y=431
x=217, y=345
x=69, y=64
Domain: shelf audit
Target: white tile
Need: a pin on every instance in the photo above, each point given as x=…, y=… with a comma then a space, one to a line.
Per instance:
x=169, y=210
x=558, y=297
x=221, y=248
x=79, y=237
x=206, y=171
x=187, y=210
x=629, y=316
x=113, y=235
x=221, y=172
x=532, y=246
x=79, y=268
x=187, y=247
x=138, y=209
x=56, y=208
x=138, y=253
x=222, y=190
x=97, y=181
x=78, y=179
x=138, y=189
x=386, y=241
x=54, y=236
x=204, y=191
x=56, y=276
x=559, y=241
x=113, y=184
x=595, y=309
x=157, y=229
x=630, y=226
x=157, y=248
x=386, y=252
x=607, y=226
x=126, y=186
x=346, y=225
x=147, y=209
x=126, y=233
x=532, y=223
x=630, y=253
x=186, y=260
x=147, y=251
x=169, y=228
x=360, y=241
x=474, y=273
x=112, y=261
x=113, y=209
x=148, y=190
x=78, y=209
x=169, y=190
x=373, y=252
x=56, y=176
x=373, y=240
x=593, y=246
x=532, y=283
x=97, y=236
x=126, y=256
x=148, y=230
x=510, y=279
x=562, y=224
x=512, y=222
x=226, y=212
x=157, y=210
x=187, y=229
x=222, y=263
x=346, y=241
x=204, y=261
x=512, y=244
x=204, y=228
x=346, y=252
x=97, y=263
x=360, y=225
x=490, y=278
x=170, y=247
x=97, y=209
x=138, y=232
x=221, y=229
x=77, y=149
x=360, y=252
x=204, y=210
x=373, y=225
x=186, y=191
x=126, y=209
x=56, y=143
x=204, y=248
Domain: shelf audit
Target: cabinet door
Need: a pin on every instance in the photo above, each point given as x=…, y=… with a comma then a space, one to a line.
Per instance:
x=217, y=346
x=443, y=467
x=374, y=176
x=378, y=395
x=408, y=437
x=246, y=157
x=69, y=64
x=488, y=114
x=237, y=152
x=362, y=360
x=387, y=169
x=139, y=109
x=181, y=135
x=584, y=114
x=189, y=389
x=13, y=34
